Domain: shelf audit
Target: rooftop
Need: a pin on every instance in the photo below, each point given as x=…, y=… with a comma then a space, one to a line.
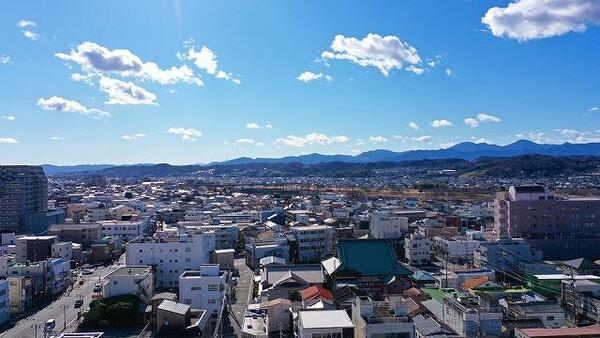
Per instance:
x=130, y=271
x=369, y=257
x=325, y=319
x=171, y=306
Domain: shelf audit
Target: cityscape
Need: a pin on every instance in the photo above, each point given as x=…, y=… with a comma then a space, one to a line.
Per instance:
x=263, y=169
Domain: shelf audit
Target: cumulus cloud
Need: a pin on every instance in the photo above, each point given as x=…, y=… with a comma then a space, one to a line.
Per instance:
x=384, y=53
x=57, y=138
x=188, y=134
x=26, y=23
x=449, y=72
x=30, y=35
x=441, y=124
x=8, y=117
x=254, y=125
x=122, y=92
x=593, y=109
x=206, y=59
x=576, y=136
x=425, y=139
x=248, y=141
x=482, y=117
x=312, y=138
x=413, y=126
x=93, y=58
x=378, y=139
x=447, y=145
x=471, y=122
x=4, y=59
x=133, y=137
x=8, y=140
x=63, y=105
x=309, y=76
x=481, y=140
x=537, y=19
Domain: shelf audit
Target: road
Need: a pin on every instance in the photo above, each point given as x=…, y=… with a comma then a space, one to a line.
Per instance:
x=25, y=327
x=242, y=290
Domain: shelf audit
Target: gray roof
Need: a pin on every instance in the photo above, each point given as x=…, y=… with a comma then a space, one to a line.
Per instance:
x=311, y=273
x=171, y=306
x=325, y=319
x=539, y=307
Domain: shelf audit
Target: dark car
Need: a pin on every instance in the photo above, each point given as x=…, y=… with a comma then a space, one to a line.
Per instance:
x=78, y=303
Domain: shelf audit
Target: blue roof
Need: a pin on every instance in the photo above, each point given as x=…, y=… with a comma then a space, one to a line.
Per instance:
x=369, y=257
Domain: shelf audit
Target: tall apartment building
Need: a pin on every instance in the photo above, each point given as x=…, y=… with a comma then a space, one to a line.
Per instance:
x=561, y=228
x=417, y=249
x=23, y=198
x=314, y=242
x=34, y=248
x=171, y=256
x=385, y=224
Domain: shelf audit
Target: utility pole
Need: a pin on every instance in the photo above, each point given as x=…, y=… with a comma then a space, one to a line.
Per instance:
x=65, y=316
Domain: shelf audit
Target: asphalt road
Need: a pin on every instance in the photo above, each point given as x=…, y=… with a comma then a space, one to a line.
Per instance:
x=25, y=327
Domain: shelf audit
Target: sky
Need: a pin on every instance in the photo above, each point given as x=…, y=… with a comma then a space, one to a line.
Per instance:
x=199, y=81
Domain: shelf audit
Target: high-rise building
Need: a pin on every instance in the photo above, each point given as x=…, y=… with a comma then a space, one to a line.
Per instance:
x=562, y=228
x=23, y=198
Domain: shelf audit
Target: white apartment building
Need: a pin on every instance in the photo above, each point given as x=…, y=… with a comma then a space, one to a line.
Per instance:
x=204, y=288
x=4, y=302
x=385, y=224
x=456, y=248
x=129, y=280
x=226, y=234
x=126, y=230
x=314, y=242
x=171, y=256
x=96, y=214
x=5, y=262
x=417, y=250
x=62, y=250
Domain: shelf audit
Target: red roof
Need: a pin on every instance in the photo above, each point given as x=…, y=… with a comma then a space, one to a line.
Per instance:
x=314, y=292
x=586, y=331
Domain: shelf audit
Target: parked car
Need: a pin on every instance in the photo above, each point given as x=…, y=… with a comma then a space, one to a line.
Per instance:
x=97, y=288
x=86, y=272
x=78, y=303
x=50, y=324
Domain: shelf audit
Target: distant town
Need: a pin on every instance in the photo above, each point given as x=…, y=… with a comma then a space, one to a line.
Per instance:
x=438, y=254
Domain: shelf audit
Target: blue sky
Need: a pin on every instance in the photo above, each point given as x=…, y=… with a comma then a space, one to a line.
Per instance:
x=199, y=81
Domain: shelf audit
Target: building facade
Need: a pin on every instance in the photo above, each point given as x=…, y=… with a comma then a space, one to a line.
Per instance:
x=23, y=198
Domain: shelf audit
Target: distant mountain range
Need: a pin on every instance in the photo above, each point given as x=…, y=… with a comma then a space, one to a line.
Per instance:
x=463, y=151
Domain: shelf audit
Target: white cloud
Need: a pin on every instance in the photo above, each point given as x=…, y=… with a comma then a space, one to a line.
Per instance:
x=482, y=117
x=413, y=126
x=384, y=53
x=8, y=140
x=312, y=138
x=133, y=137
x=4, y=59
x=122, y=92
x=206, y=59
x=93, y=58
x=63, y=105
x=378, y=139
x=309, y=76
x=30, y=35
x=254, y=125
x=482, y=140
x=537, y=19
x=449, y=72
x=244, y=141
x=26, y=23
x=57, y=138
x=576, y=136
x=425, y=139
x=188, y=134
x=447, y=145
x=8, y=117
x=441, y=124
x=593, y=109
x=471, y=122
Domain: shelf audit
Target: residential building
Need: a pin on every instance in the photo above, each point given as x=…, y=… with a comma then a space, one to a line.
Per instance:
x=314, y=242
x=204, y=288
x=23, y=198
x=559, y=227
x=332, y=323
x=171, y=256
x=82, y=233
x=466, y=317
x=126, y=230
x=226, y=235
x=591, y=331
x=34, y=248
x=62, y=250
x=4, y=302
x=417, y=249
x=129, y=280
x=385, y=224
x=373, y=319
x=286, y=281
x=20, y=293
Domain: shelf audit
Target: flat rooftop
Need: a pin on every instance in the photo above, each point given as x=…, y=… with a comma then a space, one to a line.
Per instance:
x=130, y=271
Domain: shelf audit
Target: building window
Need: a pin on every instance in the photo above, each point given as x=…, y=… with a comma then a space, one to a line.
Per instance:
x=213, y=287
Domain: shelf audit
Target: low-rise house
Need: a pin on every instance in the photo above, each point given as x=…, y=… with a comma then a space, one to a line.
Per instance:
x=591, y=331
x=550, y=313
x=286, y=281
x=467, y=317
x=129, y=280
x=333, y=323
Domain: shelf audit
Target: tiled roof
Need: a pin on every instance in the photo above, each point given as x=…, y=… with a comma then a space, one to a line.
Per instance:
x=316, y=291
